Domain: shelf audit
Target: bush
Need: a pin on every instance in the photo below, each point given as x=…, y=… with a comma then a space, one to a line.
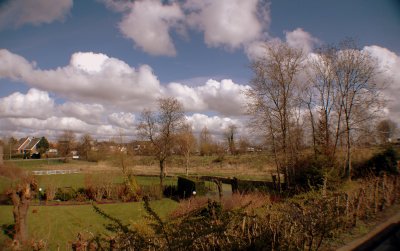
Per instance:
x=65, y=194
x=125, y=193
x=81, y=195
x=383, y=162
x=50, y=192
x=95, y=156
x=246, y=186
x=310, y=171
x=153, y=192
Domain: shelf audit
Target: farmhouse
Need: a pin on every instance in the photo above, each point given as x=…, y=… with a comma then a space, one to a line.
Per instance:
x=27, y=146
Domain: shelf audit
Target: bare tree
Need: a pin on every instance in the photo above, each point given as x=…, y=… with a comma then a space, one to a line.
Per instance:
x=358, y=92
x=161, y=129
x=85, y=145
x=230, y=135
x=187, y=144
x=323, y=95
x=66, y=142
x=205, y=141
x=244, y=145
x=386, y=130
x=273, y=100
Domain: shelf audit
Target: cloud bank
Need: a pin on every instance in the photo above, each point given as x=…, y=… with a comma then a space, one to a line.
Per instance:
x=103, y=96
x=230, y=24
x=16, y=13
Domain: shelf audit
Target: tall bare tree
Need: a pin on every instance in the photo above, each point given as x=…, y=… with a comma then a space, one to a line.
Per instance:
x=161, y=129
x=358, y=92
x=323, y=95
x=386, y=130
x=273, y=100
x=187, y=144
x=230, y=135
x=66, y=142
x=85, y=145
x=206, y=143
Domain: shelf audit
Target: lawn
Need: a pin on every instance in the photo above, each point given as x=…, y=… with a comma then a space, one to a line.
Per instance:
x=35, y=164
x=59, y=225
x=78, y=180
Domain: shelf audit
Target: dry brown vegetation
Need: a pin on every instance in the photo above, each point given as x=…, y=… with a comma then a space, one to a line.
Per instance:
x=254, y=222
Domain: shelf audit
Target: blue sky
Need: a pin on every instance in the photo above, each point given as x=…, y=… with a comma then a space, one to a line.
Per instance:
x=200, y=53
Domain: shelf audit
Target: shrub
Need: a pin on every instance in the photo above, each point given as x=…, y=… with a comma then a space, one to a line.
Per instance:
x=50, y=192
x=246, y=186
x=385, y=161
x=95, y=156
x=310, y=171
x=125, y=193
x=153, y=192
x=81, y=195
x=65, y=194
x=219, y=159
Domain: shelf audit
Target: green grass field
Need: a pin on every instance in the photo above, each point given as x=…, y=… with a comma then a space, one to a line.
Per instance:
x=59, y=225
x=35, y=164
x=78, y=180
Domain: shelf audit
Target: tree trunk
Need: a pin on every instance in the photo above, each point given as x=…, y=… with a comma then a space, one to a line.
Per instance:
x=187, y=165
x=162, y=173
x=21, y=200
x=219, y=187
x=348, y=155
x=313, y=129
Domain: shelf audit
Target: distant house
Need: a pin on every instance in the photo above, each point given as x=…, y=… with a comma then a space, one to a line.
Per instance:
x=20, y=146
x=53, y=151
x=27, y=146
x=141, y=147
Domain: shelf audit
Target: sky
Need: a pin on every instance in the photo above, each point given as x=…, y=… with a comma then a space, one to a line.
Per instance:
x=91, y=66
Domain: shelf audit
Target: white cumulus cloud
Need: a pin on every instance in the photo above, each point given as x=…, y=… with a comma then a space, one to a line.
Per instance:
x=109, y=81
x=35, y=103
x=90, y=113
x=224, y=97
x=301, y=39
x=122, y=119
x=93, y=78
x=16, y=13
x=148, y=24
x=228, y=23
x=389, y=74
x=217, y=125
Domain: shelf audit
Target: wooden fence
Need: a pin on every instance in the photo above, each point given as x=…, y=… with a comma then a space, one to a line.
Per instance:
x=51, y=172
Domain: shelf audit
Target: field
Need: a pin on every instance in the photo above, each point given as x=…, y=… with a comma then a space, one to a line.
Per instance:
x=59, y=225
x=245, y=165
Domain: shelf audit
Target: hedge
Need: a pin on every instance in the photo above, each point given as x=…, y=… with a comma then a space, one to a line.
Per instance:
x=244, y=186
